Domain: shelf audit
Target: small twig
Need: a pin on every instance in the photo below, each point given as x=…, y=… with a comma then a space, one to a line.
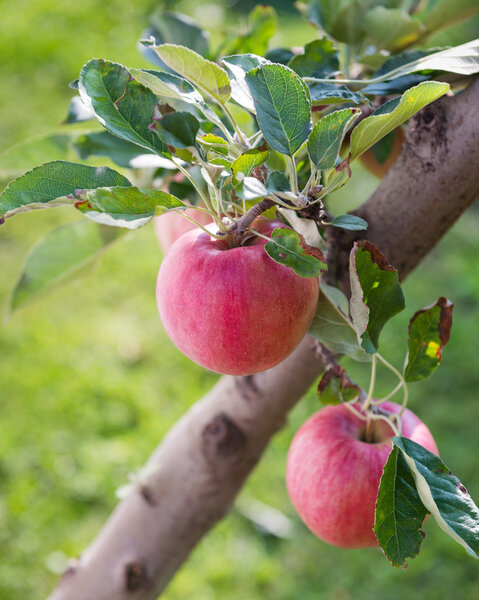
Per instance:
x=243, y=224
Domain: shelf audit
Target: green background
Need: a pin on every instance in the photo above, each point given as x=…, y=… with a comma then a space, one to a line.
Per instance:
x=90, y=383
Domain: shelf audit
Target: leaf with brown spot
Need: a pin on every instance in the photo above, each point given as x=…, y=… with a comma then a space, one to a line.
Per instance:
x=429, y=331
x=311, y=250
x=288, y=248
x=335, y=386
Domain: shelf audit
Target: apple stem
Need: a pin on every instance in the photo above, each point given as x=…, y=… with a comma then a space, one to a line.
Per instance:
x=372, y=383
x=242, y=225
x=402, y=381
x=367, y=433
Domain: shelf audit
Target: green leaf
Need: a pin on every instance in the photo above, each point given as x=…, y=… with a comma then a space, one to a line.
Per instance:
x=345, y=27
x=128, y=207
x=103, y=143
x=445, y=13
x=288, y=248
x=395, y=61
x=305, y=227
x=320, y=59
x=62, y=254
x=376, y=294
x=172, y=86
x=391, y=29
x=327, y=136
x=443, y=495
x=121, y=104
x=332, y=327
x=335, y=178
x=281, y=56
x=463, y=59
x=329, y=93
x=31, y=152
x=283, y=106
x=78, y=112
x=398, y=85
x=336, y=387
x=207, y=76
x=278, y=182
x=237, y=66
x=350, y=222
x=53, y=184
x=399, y=512
x=382, y=149
x=262, y=24
x=177, y=129
x=175, y=28
x=429, y=331
x=248, y=161
x=251, y=188
x=393, y=113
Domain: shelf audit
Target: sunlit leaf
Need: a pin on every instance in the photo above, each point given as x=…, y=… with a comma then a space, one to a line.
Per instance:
x=128, y=207
x=248, y=161
x=207, y=76
x=393, y=113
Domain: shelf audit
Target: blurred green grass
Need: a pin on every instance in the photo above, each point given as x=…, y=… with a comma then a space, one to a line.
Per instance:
x=90, y=383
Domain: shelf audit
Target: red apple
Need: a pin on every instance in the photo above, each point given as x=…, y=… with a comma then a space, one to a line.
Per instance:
x=233, y=310
x=170, y=226
x=333, y=475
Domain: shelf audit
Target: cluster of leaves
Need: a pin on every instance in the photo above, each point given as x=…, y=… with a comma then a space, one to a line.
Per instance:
x=243, y=125
x=218, y=122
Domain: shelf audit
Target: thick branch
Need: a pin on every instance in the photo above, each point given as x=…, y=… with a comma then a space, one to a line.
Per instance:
x=195, y=474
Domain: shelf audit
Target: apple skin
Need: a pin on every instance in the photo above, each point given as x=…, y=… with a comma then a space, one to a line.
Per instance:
x=333, y=476
x=170, y=226
x=233, y=310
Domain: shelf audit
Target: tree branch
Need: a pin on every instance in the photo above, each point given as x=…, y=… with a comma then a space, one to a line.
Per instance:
x=193, y=477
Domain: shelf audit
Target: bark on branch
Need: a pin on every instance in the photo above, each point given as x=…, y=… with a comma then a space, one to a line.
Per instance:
x=194, y=475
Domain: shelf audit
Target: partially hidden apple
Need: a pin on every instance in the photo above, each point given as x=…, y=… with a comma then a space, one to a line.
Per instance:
x=233, y=310
x=333, y=474
x=170, y=226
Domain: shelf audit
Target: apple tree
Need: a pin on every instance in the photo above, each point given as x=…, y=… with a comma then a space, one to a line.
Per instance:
x=267, y=283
